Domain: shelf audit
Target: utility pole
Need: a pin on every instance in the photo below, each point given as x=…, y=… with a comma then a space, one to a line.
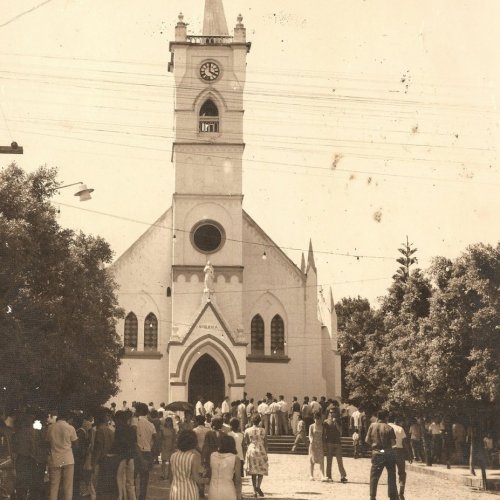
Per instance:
x=13, y=149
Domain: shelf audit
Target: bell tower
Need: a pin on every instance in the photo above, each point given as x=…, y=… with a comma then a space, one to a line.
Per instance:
x=209, y=73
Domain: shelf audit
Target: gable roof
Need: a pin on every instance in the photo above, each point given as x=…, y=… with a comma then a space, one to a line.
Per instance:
x=272, y=244
x=159, y=223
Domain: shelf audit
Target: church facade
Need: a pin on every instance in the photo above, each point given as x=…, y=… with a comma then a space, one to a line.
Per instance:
x=213, y=306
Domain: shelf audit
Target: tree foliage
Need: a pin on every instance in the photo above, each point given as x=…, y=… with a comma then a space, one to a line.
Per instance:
x=436, y=343
x=58, y=310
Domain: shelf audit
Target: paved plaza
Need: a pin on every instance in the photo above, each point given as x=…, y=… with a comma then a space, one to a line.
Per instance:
x=289, y=479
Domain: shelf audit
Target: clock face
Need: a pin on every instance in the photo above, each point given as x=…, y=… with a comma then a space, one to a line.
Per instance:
x=209, y=71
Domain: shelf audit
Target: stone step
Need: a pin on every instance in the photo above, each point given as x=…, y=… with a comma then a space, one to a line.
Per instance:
x=283, y=445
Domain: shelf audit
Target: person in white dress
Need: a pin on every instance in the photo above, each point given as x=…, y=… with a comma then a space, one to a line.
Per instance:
x=225, y=481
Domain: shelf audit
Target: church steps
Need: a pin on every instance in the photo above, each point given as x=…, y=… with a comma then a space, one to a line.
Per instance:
x=283, y=445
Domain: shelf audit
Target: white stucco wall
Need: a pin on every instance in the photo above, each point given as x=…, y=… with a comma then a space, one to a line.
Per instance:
x=143, y=274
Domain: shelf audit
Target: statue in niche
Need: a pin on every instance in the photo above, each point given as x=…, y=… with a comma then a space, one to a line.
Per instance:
x=209, y=279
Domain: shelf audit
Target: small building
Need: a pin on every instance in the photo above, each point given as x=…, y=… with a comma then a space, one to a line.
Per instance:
x=213, y=306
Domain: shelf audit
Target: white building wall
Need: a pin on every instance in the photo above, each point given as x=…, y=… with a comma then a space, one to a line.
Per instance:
x=143, y=274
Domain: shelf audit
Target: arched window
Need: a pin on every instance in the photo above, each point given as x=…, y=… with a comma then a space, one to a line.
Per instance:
x=277, y=336
x=209, y=117
x=150, y=333
x=130, y=331
x=257, y=331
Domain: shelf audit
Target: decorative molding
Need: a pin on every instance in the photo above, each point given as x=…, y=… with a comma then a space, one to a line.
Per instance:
x=142, y=355
x=237, y=385
x=227, y=271
x=264, y=358
x=219, y=319
x=207, y=147
x=178, y=384
x=218, y=345
x=208, y=197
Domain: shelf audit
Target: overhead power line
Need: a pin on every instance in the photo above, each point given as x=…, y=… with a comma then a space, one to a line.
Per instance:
x=12, y=19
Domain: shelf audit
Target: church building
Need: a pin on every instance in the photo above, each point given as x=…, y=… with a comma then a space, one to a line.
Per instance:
x=213, y=306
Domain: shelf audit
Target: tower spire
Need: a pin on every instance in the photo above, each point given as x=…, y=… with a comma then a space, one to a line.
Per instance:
x=214, y=20
x=310, y=258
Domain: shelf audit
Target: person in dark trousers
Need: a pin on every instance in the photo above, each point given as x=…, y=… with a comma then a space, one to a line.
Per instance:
x=146, y=435
x=381, y=438
x=331, y=440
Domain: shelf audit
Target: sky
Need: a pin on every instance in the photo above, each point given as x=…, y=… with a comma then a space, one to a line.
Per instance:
x=366, y=121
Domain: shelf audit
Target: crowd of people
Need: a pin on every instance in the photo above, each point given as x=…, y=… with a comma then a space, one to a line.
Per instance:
x=108, y=455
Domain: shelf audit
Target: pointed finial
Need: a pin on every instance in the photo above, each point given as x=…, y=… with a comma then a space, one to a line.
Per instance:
x=310, y=258
x=303, y=264
x=332, y=302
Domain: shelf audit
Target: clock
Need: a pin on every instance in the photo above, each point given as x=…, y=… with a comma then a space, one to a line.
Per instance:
x=209, y=71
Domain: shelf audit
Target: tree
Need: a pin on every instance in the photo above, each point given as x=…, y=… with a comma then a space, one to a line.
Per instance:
x=360, y=328
x=452, y=358
x=58, y=310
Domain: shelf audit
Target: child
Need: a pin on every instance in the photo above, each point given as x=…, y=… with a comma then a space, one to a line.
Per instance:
x=301, y=434
x=355, y=442
x=167, y=434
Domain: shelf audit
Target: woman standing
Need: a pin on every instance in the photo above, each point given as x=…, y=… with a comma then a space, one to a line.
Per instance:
x=225, y=483
x=185, y=466
x=167, y=446
x=316, y=454
x=125, y=446
x=256, y=461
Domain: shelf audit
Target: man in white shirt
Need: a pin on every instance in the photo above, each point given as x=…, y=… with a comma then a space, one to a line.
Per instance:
x=199, y=408
x=283, y=416
x=209, y=408
x=264, y=412
x=274, y=410
x=61, y=437
x=242, y=415
x=401, y=451
x=225, y=408
x=315, y=406
x=250, y=410
x=146, y=434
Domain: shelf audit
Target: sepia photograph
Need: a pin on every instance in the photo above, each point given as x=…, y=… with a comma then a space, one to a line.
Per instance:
x=249, y=249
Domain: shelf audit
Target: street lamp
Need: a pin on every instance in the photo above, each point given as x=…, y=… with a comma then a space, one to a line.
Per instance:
x=83, y=191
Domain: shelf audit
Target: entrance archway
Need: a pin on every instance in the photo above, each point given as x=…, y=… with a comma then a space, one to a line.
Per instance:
x=207, y=380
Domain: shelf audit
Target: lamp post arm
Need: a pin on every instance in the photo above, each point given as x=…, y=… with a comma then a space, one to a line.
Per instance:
x=69, y=185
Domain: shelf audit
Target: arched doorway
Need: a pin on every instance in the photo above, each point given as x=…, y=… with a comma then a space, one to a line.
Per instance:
x=207, y=380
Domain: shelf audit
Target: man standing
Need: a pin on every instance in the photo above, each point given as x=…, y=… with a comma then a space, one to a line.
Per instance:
x=209, y=408
x=295, y=415
x=146, y=434
x=264, y=412
x=283, y=422
x=241, y=413
x=199, y=408
x=61, y=437
x=416, y=440
x=315, y=406
x=306, y=413
x=274, y=417
x=225, y=408
x=250, y=409
x=332, y=442
x=400, y=451
x=381, y=438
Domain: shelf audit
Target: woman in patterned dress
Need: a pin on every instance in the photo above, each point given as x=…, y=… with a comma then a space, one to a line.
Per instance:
x=316, y=454
x=256, y=462
x=184, y=466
